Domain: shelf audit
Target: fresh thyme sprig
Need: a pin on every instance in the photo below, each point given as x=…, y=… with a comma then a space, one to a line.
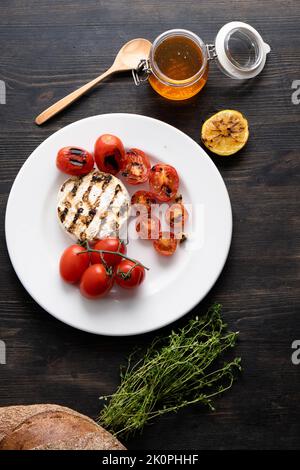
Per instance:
x=175, y=372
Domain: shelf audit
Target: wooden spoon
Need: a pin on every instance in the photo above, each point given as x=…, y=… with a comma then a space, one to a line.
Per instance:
x=128, y=58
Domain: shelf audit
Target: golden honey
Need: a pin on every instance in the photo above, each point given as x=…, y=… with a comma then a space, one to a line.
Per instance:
x=179, y=65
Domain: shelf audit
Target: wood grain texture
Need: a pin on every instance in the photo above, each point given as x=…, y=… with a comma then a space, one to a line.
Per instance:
x=48, y=48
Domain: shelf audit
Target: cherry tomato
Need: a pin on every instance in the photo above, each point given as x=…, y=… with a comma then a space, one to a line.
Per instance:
x=148, y=228
x=109, y=154
x=74, y=161
x=72, y=265
x=176, y=215
x=166, y=244
x=145, y=198
x=164, y=181
x=109, y=244
x=96, y=281
x=136, y=167
x=129, y=274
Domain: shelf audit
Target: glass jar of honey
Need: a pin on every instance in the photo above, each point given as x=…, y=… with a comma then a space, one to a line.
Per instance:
x=179, y=64
x=177, y=67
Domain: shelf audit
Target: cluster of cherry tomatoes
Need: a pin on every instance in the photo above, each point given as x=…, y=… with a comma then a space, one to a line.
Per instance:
x=163, y=184
x=97, y=268
x=135, y=168
x=148, y=226
x=109, y=156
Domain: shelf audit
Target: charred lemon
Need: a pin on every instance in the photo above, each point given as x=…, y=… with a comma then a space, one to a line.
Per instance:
x=226, y=132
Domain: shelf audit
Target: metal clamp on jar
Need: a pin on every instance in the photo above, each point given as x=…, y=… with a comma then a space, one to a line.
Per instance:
x=177, y=67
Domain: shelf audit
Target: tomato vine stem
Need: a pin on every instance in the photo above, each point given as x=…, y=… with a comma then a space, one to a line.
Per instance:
x=91, y=250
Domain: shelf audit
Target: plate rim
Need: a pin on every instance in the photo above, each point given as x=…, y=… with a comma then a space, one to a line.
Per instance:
x=163, y=323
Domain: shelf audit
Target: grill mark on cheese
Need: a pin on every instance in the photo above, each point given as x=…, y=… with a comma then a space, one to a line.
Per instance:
x=115, y=224
x=70, y=196
x=91, y=215
x=63, y=187
x=117, y=190
x=62, y=214
x=85, y=196
x=106, y=183
x=92, y=212
x=74, y=190
x=76, y=217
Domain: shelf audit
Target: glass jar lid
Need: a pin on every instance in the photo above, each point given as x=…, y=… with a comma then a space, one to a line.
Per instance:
x=240, y=50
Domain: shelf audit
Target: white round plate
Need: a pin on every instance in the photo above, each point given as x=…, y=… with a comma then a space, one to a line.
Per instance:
x=174, y=285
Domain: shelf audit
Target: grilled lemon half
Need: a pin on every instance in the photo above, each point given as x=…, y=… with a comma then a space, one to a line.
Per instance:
x=226, y=132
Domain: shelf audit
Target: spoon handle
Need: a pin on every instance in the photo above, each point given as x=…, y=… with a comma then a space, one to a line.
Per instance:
x=69, y=99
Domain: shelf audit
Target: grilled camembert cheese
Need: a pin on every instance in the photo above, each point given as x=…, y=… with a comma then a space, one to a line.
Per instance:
x=93, y=206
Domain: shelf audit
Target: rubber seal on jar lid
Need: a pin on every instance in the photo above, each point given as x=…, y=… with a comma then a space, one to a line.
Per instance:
x=240, y=50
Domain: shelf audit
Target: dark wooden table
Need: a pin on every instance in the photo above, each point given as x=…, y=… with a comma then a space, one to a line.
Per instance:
x=48, y=48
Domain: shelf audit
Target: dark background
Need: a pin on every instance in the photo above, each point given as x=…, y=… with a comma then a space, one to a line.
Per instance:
x=49, y=48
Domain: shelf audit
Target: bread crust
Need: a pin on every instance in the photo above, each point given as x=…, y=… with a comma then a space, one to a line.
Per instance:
x=52, y=427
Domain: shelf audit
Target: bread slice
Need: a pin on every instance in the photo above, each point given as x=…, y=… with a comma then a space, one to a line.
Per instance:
x=51, y=427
